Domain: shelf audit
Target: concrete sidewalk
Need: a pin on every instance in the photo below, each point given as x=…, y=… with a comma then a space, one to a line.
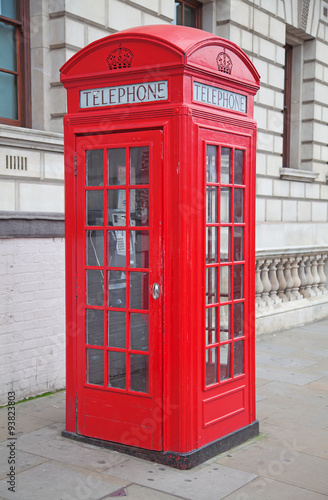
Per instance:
x=289, y=460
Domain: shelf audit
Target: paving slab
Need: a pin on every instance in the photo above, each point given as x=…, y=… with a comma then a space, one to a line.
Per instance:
x=53, y=410
x=270, y=489
x=24, y=423
x=137, y=492
x=312, y=397
x=58, y=481
x=283, y=361
x=289, y=464
x=283, y=375
x=49, y=443
x=204, y=482
x=22, y=461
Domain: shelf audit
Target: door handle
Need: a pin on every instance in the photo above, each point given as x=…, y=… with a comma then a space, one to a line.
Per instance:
x=156, y=291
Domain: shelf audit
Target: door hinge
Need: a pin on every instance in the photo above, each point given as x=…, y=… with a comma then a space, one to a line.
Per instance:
x=75, y=165
x=76, y=409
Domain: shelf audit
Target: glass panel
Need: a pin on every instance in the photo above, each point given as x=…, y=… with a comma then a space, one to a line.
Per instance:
x=94, y=167
x=238, y=282
x=225, y=205
x=116, y=201
x=225, y=287
x=7, y=47
x=212, y=204
x=139, y=165
x=225, y=244
x=95, y=248
x=225, y=323
x=116, y=289
x=139, y=249
x=95, y=366
x=225, y=361
x=139, y=207
x=95, y=327
x=238, y=205
x=8, y=92
x=139, y=331
x=117, y=329
x=239, y=167
x=212, y=244
x=225, y=165
x=139, y=376
x=211, y=164
x=211, y=285
x=178, y=13
x=238, y=319
x=9, y=8
x=211, y=325
x=116, y=159
x=117, y=369
x=116, y=248
x=95, y=288
x=211, y=366
x=139, y=291
x=238, y=357
x=238, y=243
x=95, y=208
x=189, y=16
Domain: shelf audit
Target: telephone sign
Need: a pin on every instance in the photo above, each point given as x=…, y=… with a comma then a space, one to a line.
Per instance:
x=160, y=147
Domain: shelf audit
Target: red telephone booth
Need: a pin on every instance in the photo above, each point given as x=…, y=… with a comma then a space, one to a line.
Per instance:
x=160, y=193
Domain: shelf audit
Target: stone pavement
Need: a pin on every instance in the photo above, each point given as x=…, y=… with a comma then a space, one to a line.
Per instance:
x=289, y=460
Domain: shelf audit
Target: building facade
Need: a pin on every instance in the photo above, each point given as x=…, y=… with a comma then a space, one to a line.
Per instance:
x=287, y=40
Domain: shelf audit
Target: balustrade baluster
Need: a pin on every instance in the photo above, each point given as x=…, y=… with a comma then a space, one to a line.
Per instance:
x=321, y=273
x=258, y=284
x=295, y=277
x=281, y=280
x=274, y=282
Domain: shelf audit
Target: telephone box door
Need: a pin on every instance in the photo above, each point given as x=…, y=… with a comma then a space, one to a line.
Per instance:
x=119, y=288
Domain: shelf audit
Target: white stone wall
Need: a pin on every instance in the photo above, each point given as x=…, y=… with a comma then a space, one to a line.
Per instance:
x=32, y=316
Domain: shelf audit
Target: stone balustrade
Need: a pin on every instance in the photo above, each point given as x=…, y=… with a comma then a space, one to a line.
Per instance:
x=290, y=275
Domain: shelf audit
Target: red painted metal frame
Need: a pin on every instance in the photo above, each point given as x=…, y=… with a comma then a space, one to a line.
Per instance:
x=180, y=56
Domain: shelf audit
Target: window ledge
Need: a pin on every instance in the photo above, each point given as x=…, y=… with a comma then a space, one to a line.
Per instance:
x=294, y=174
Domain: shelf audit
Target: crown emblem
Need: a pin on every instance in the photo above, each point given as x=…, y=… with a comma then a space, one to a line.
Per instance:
x=224, y=62
x=119, y=58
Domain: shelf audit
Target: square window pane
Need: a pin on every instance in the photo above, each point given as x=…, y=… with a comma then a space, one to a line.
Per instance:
x=238, y=243
x=238, y=357
x=116, y=254
x=211, y=285
x=95, y=327
x=139, y=331
x=225, y=205
x=225, y=371
x=211, y=245
x=211, y=366
x=139, y=249
x=139, y=165
x=139, y=207
x=95, y=288
x=189, y=16
x=116, y=202
x=7, y=47
x=211, y=164
x=95, y=248
x=95, y=366
x=117, y=329
x=238, y=319
x=117, y=369
x=225, y=285
x=94, y=167
x=116, y=289
x=139, y=373
x=211, y=204
x=238, y=211
x=225, y=165
x=239, y=167
x=238, y=282
x=116, y=159
x=225, y=244
x=9, y=8
x=139, y=291
x=225, y=333
x=95, y=208
x=211, y=325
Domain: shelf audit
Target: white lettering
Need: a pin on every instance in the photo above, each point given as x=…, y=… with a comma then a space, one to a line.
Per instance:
x=124, y=94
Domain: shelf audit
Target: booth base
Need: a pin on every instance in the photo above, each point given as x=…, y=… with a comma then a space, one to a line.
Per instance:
x=183, y=461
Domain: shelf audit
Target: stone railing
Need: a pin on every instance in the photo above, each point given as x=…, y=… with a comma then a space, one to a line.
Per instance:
x=290, y=275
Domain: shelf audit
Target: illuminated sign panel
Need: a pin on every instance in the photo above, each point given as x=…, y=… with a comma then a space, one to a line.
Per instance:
x=221, y=98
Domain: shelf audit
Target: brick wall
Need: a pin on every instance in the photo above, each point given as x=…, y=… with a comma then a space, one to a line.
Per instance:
x=32, y=316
